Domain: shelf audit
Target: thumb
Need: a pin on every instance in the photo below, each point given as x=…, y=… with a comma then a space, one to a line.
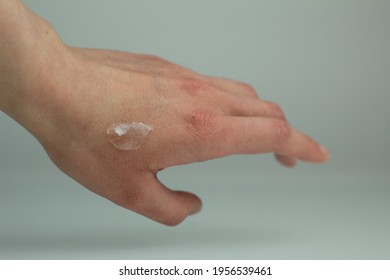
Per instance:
x=157, y=202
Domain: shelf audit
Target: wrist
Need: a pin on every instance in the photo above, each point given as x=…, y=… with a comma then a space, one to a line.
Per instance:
x=29, y=51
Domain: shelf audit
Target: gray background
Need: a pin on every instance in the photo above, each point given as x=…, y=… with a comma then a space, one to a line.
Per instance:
x=327, y=63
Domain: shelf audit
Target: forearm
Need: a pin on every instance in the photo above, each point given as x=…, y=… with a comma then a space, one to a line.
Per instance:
x=29, y=47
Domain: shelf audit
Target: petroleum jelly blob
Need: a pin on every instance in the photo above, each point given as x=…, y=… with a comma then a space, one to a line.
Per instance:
x=128, y=136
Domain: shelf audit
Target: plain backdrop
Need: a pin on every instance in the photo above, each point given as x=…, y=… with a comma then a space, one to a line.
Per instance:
x=327, y=63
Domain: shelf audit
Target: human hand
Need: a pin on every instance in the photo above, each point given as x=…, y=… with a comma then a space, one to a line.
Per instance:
x=194, y=118
x=79, y=93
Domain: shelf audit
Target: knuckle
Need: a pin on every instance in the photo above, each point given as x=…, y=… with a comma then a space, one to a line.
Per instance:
x=201, y=123
x=194, y=86
x=153, y=57
x=276, y=110
x=201, y=129
x=281, y=131
x=249, y=89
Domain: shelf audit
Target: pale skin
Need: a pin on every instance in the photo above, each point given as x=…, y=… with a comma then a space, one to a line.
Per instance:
x=67, y=97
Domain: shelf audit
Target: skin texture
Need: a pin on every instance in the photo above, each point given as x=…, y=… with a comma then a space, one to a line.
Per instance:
x=67, y=97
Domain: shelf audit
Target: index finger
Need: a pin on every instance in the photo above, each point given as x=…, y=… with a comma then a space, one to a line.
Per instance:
x=252, y=135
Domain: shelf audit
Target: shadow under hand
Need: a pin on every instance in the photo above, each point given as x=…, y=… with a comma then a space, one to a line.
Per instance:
x=93, y=243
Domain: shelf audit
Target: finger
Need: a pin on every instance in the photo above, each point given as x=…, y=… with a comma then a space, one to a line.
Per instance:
x=230, y=86
x=286, y=161
x=155, y=201
x=254, y=108
x=261, y=108
x=235, y=105
x=265, y=109
x=230, y=104
x=249, y=135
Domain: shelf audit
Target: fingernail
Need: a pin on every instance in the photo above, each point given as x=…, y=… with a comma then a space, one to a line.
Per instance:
x=325, y=151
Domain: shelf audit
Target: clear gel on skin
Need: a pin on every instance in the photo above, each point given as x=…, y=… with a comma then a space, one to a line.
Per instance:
x=128, y=136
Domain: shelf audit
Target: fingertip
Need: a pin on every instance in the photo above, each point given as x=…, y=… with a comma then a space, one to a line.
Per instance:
x=325, y=151
x=190, y=204
x=196, y=208
x=310, y=150
x=194, y=203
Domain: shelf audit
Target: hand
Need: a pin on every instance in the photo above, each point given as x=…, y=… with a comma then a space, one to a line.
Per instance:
x=194, y=118
x=75, y=94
